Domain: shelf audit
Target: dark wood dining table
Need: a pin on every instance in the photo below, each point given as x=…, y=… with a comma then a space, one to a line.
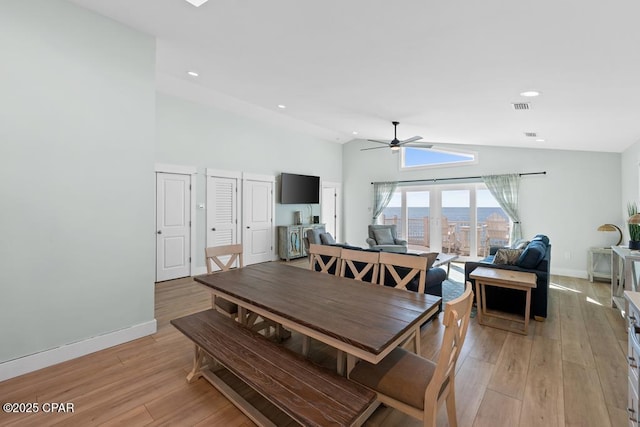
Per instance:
x=363, y=320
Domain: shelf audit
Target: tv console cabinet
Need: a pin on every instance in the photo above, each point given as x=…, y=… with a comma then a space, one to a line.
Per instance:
x=290, y=237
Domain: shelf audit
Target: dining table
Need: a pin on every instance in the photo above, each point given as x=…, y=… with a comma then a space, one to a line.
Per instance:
x=363, y=320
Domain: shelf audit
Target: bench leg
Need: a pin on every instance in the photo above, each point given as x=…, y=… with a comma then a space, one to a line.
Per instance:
x=196, y=371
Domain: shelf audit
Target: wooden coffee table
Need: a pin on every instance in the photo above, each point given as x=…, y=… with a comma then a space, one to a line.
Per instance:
x=441, y=260
x=445, y=259
x=503, y=279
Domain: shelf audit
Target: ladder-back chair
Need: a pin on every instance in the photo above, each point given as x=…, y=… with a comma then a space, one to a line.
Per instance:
x=415, y=385
x=362, y=265
x=327, y=258
x=402, y=269
x=214, y=257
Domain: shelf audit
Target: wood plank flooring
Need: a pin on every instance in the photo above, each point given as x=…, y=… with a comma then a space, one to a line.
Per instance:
x=569, y=371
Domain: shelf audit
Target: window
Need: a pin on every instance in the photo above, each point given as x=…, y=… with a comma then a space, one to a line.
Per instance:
x=414, y=157
x=457, y=219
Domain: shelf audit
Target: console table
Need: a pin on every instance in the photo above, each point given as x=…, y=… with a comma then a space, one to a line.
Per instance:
x=290, y=240
x=599, y=263
x=623, y=274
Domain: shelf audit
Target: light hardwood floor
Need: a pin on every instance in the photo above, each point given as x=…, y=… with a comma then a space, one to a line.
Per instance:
x=569, y=371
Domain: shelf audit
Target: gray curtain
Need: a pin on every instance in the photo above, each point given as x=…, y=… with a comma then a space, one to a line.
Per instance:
x=382, y=194
x=505, y=190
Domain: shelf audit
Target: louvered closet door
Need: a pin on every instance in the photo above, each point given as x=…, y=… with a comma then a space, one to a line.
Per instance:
x=222, y=211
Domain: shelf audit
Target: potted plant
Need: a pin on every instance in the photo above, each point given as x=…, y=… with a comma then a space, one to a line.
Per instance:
x=634, y=226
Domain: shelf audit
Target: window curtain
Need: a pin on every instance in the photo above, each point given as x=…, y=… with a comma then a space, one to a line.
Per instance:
x=505, y=190
x=382, y=194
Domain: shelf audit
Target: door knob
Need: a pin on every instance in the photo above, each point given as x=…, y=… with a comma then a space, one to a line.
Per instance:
x=213, y=229
x=248, y=226
x=159, y=231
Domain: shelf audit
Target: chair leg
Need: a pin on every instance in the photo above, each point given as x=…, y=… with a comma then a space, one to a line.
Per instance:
x=430, y=415
x=451, y=404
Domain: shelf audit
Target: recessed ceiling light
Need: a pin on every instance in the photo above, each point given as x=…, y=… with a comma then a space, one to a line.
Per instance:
x=197, y=3
x=192, y=73
x=539, y=140
x=354, y=132
x=282, y=106
x=530, y=93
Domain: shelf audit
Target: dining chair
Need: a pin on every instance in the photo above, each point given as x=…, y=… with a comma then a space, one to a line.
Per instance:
x=214, y=257
x=402, y=269
x=415, y=385
x=362, y=265
x=324, y=257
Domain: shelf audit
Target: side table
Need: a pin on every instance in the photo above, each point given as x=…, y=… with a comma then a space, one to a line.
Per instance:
x=599, y=263
x=503, y=279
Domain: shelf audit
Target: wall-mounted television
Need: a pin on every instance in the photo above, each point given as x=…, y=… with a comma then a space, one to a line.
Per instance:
x=299, y=189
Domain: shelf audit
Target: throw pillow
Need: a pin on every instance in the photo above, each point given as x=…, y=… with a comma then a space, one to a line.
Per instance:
x=383, y=236
x=520, y=244
x=327, y=239
x=431, y=258
x=532, y=255
x=507, y=256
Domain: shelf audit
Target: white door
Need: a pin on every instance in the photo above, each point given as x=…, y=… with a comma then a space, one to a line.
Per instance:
x=222, y=211
x=331, y=208
x=173, y=226
x=257, y=214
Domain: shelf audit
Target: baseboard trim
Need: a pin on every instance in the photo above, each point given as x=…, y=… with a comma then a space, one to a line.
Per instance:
x=581, y=274
x=33, y=362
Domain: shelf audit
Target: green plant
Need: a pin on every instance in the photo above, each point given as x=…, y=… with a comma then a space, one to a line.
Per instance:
x=634, y=229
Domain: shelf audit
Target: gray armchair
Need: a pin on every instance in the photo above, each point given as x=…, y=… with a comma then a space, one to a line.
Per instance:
x=385, y=238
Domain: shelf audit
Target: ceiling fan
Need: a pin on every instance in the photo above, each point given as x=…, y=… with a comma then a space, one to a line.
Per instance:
x=395, y=144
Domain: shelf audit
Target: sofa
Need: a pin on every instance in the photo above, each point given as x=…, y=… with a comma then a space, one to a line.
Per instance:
x=533, y=257
x=433, y=281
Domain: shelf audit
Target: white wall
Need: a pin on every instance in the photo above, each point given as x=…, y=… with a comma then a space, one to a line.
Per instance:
x=193, y=134
x=76, y=177
x=580, y=191
x=630, y=179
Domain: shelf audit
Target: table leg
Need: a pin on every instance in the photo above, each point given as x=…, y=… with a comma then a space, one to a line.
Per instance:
x=340, y=362
x=351, y=363
x=527, y=311
x=242, y=315
x=480, y=302
x=196, y=370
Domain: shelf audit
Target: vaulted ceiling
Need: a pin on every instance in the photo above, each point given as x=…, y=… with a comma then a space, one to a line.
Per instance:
x=446, y=70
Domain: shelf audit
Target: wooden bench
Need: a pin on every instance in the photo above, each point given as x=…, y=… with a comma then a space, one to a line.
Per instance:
x=309, y=394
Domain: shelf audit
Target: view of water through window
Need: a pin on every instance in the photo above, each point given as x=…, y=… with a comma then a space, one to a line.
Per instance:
x=453, y=213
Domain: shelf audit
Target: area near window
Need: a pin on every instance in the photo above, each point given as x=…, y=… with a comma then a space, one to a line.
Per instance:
x=461, y=219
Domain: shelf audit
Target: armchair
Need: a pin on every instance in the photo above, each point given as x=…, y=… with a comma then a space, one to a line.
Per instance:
x=385, y=238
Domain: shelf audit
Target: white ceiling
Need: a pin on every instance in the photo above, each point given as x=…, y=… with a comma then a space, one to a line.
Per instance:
x=447, y=70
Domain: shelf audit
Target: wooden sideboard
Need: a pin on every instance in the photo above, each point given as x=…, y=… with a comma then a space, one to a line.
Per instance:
x=290, y=237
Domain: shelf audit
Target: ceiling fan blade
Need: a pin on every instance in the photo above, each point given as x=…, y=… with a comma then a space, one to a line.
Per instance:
x=373, y=148
x=412, y=139
x=378, y=141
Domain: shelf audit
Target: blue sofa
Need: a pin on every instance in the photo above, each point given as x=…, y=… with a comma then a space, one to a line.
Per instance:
x=536, y=258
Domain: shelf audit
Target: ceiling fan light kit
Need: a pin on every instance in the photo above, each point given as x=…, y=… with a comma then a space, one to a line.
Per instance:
x=395, y=144
x=197, y=3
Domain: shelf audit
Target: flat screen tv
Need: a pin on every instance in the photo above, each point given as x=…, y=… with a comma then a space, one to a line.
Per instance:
x=299, y=189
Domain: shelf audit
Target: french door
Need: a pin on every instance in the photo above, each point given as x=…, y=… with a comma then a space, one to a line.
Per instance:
x=446, y=218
